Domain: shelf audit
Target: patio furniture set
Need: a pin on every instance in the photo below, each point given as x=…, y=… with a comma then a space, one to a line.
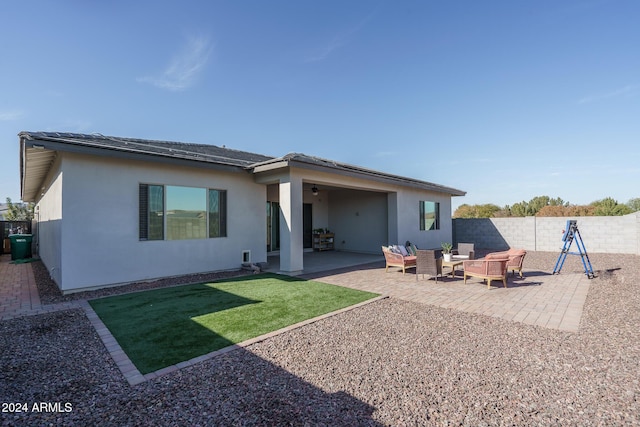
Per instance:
x=494, y=266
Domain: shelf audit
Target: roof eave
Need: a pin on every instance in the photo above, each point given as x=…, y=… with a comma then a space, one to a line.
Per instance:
x=357, y=172
x=351, y=171
x=29, y=191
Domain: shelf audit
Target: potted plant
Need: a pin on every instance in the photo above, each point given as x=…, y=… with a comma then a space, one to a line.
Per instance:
x=446, y=251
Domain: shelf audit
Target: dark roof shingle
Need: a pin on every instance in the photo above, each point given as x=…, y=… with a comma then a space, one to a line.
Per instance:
x=216, y=156
x=187, y=151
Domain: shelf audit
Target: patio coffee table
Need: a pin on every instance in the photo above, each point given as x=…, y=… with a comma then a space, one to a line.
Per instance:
x=453, y=264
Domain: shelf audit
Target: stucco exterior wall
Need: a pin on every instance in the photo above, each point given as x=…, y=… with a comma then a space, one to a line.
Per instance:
x=88, y=221
x=99, y=236
x=604, y=234
x=359, y=220
x=409, y=219
x=48, y=215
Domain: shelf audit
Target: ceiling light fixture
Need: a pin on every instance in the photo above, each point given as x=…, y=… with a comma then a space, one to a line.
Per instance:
x=314, y=190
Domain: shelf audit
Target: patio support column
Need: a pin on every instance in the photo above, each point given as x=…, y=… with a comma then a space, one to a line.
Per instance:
x=291, y=250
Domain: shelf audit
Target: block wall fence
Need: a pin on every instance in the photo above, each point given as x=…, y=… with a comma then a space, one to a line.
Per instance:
x=600, y=234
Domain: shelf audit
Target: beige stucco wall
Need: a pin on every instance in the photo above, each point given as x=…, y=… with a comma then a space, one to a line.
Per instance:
x=48, y=216
x=88, y=221
x=359, y=220
x=99, y=229
x=409, y=219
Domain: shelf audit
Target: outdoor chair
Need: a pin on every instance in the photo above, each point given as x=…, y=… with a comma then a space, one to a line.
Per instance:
x=394, y=259
x=487, y=269
x=428, y=262
x=516, y=259
x=463, y=251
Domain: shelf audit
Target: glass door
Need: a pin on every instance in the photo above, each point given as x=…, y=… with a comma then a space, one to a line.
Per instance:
x=273, y=226
x=307, y=223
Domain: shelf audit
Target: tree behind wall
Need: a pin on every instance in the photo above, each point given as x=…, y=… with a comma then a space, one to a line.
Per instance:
x=18, y=211
x=545, y=206
x=532, y=207
x=634, y=204
x=610, y=207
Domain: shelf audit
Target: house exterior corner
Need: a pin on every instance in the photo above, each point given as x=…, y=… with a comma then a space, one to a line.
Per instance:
x=89, y=223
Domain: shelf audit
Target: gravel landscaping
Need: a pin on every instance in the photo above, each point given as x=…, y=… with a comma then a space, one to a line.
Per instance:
x=390, y=362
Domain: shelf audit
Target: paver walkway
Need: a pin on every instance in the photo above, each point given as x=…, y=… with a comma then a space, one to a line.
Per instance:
x=19, y=293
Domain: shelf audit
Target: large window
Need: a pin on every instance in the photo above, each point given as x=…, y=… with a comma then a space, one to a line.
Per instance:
x=179, y=213
x=186, y=213
x=429, y=215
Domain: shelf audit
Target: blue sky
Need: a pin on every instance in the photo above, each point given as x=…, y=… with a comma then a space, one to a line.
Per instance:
x=506, y=100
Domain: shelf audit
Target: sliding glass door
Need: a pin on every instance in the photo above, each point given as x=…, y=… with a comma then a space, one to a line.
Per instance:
x=273, y=226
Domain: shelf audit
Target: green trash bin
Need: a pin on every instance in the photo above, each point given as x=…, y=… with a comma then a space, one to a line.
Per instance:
x=20, y=246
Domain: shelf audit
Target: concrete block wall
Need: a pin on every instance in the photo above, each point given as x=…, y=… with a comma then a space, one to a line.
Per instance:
x=496, y=233
x=605, y=234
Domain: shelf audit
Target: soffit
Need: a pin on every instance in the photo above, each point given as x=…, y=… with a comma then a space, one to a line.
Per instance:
x=36, y=166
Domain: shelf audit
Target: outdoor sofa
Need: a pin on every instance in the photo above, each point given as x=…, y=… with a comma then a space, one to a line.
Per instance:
x=516, y=259
x=487, y=269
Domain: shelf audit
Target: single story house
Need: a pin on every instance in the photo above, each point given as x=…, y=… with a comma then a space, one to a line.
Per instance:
x=113, y=210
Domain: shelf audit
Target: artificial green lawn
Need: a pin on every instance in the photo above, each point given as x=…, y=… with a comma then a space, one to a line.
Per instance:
x=163, y=327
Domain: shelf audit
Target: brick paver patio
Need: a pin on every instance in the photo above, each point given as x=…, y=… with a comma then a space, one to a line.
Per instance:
x=542, y=299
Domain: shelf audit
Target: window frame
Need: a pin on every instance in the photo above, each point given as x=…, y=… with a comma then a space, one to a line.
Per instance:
x=423, y=211
x=185, y=213
x=222, y=213
x=144, y=212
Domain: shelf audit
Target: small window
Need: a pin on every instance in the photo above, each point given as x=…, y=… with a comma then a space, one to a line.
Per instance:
x=151, y=224
x=429, y=215
x=217, y=213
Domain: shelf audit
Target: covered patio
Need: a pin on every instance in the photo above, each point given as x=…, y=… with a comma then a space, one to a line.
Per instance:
x=315, y=262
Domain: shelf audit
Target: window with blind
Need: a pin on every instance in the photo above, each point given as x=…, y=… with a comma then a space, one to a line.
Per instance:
x=179, y=213
x=151, y=212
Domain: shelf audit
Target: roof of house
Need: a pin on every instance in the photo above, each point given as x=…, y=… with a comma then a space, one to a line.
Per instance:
x=318, y=163
x=182, y=150
x=39, y=150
